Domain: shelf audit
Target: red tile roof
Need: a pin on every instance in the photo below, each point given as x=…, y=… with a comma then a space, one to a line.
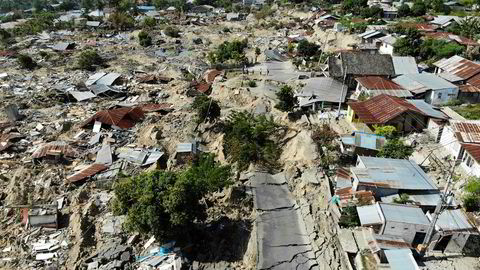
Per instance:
x=122, y=118
x=377, y=83
x=381, y=109
x=87, y=172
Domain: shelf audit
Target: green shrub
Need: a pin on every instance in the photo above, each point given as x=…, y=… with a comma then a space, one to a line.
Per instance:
x=307, y=49
x=229, y=51
x=207, y=108
x=149, y=22
x=252, y=83
x=166, y=203
x=349, y=217
x=89, y=59
x=286, y=99
x=386, y=131
x=251, y=139
x=26, y=61
x=395, y=148
x=172, y=31
x=121, y=21
x=144, y=39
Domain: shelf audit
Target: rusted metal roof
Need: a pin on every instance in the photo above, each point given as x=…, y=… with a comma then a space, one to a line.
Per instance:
x=6, y=138
x=475, y=80
x=202, y=87
x=87, y=172
x=381, y=109
x=459, y=66
x=55, y=149
x=210, y=75
x=377, y=83
x=150, y=78
x=466, y=131
x=466, y=88
x=154, y=107
x=122, y=118
x=425, y=27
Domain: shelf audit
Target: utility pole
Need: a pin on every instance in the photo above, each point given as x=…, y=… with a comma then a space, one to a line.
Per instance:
x=442, y=202
x=341, y=94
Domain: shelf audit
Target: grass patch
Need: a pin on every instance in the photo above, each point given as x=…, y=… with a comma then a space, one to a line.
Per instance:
x=470, y=112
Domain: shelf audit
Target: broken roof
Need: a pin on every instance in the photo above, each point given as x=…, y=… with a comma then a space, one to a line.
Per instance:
x=122, y=118
x=87, y=172
x=63, y=46
x=392, y=173
x=154, y=107
x=381, y=109
x=55, y=149
x=454, y=220
x=452, y=37
x=359, y=63
x=321, y=89
x=102, y=78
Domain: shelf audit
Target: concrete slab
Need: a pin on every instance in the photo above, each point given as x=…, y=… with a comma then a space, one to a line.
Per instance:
x=272, y=197
x=347, y=241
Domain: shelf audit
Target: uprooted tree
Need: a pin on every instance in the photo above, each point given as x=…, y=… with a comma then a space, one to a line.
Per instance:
x=251, y=139
x=168, y=203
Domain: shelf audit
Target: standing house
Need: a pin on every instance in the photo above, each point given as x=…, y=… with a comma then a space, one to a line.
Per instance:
x=319, y=92
x=464, y=73
x=405, y=221
x=405, y=115
x=404, y=65
x=376, y=85
x=349, y=65
x=462, y=140
x=388, y=176
x=434, y=89
x=370, y=36
x=386, y=44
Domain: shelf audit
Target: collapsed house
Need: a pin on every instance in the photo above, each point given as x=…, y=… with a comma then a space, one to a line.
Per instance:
x=121, y=118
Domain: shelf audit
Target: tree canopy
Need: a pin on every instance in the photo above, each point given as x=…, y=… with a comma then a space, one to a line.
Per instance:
x=251, y=139
x=166, y=203
x=307, y=49
x=395, y=148
x=229, y=51
x=286, y=99
x=206, y=108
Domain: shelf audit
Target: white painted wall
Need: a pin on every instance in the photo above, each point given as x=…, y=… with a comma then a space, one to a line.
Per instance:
x=405, y=230
x=441, y=96
x=470, y=165
x=449, y=141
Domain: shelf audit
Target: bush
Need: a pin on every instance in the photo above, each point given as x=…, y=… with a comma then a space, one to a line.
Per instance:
x=404, y=11
x=207, y=108
x=168, y=203
x=372, y=12
x=471, y=111
x=89, y=59
x=172, y=32
x=144, y=39
x=26, y=61
x=471, y=199
x=307, y=49
x=286, y=99
x=386, y=131
x=395, y=148
x=437, y=49
x=265, y=12
x=402, y=199
x=251, y=139
x=349, y=217
x=149, y=22
x=252, y=83
x=39, y=22
x=353, y=6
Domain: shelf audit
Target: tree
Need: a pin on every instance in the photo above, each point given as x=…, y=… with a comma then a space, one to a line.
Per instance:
x=87, y=5
x=395, y=148
x=149, y=22
x=168, y=203
x=39, y=5
x=89, y=59
x=471, y=199
x=286, y=99
x=161, y=4
x=307, y=49
x=226, y=51
x=353, y=6
x=404, y=11
x=251, y=139
x=207, y=108
x=26, y=62
x=386, y=131
x=144, y=39
x=372, y=12
x=419, y=8
x=437, y=49
x=468, y=27
x=408, y=45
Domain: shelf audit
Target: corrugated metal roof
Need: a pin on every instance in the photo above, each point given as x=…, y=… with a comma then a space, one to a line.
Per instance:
x=152, y=107
x=404, y=65
x=186, y=148
x=55, y=149
x=392, y=173
x=94, y=78
x=87, y=172
x=63, y=46
x=387, y=242
x=427, y=109
x=81, y=96
x=403, y=213
x=122, y=118
x=466, y=131
x=322, y=89
x=381, y=109
x=441, y=19
x=466, y=88
x=104, y=156
x=377, y=83
x=475, y=80
x=428, y=80
x=450, y=77
x=454, y=220
x=473, y=150
x=401, y=259
x=459, y=66
x=369, y=215
x=108, y=79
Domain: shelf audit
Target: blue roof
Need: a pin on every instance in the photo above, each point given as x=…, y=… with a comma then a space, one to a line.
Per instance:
x=365, y=140
x=392, y=173
x=146, y=8
x=401, y=259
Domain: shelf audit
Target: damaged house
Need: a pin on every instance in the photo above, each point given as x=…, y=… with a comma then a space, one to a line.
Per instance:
x=121, y=118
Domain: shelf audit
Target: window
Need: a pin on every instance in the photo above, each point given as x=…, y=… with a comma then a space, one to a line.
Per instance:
x=439, y=95
x=469, y=161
